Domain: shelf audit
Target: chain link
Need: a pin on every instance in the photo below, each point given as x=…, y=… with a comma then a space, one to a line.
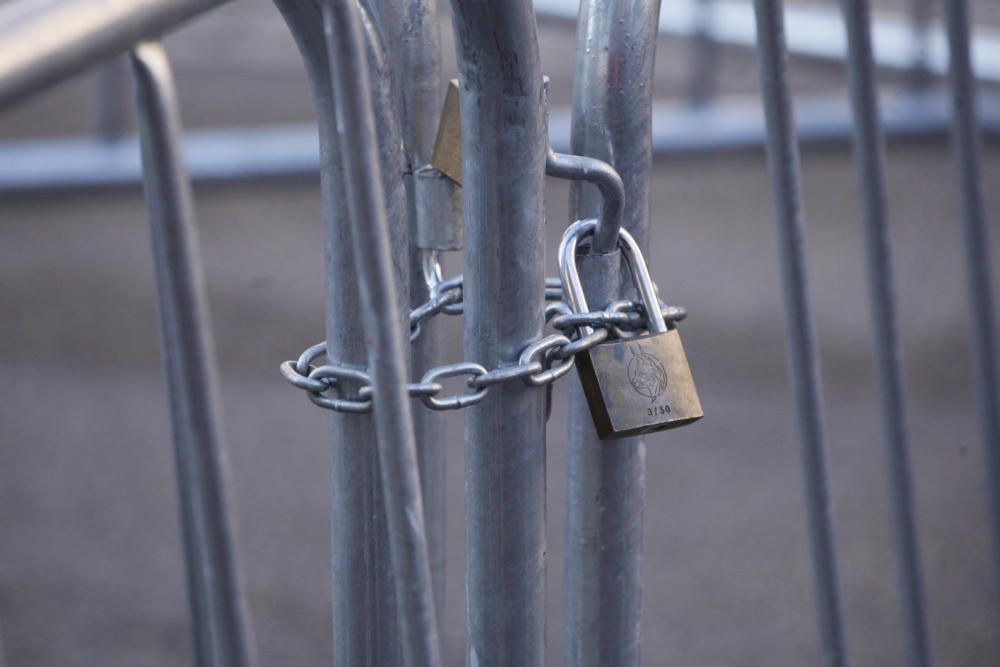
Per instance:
x=540, y=364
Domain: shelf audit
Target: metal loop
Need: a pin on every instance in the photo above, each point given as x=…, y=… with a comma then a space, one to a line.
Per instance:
x=582, y=344
x=357, y=404
x=505, y=374
x=555, y=309
x=539, y=351
x=421, y=389
x=311, y=354
x=341, y=404
x=454, y=370
x=289, y=372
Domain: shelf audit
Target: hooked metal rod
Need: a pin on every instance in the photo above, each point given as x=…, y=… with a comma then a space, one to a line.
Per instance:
x=965, y=128
x=44, y=42
x=220, y=626
x=803, y=356
x=869, y=151
x=605, y=486
x=386, y=334
x=608, y=182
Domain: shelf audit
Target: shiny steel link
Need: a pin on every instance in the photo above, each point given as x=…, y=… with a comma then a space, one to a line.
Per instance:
x=541, y=363
x=542, y=351
x=452, y=370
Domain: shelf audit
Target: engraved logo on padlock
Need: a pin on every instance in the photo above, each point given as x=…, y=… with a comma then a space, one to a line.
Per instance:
x=633, y=385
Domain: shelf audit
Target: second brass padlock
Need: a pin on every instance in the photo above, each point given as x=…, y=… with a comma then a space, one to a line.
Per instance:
x=633, y=385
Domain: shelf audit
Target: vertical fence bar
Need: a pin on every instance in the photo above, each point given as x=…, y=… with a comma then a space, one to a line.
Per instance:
x=870, y=163
x=965, y=138
x=803, y=359
x=503, y=161
x=703, y=56
x=919, y=74
x=612, y=110
x=111, y=99
x=413, y=39
x=218, y=614
x=386, y=332
x=365, y=625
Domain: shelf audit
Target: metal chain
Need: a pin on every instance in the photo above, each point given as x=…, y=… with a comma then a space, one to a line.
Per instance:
x=542, y=362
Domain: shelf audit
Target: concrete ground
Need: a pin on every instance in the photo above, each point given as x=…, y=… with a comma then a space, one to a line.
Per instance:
x=90, y=559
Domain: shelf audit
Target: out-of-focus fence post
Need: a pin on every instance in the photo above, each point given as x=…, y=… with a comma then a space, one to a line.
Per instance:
x=44, y=42
x=965, y=139
x=803, y=359
x=612, y=108
x=111, y=85
x=504, y=141
x=221, y=636
x=869, y=157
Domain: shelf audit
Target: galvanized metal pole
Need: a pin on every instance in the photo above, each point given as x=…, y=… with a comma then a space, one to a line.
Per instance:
x=803, y=358
x=44, y=42
x=365, y=624
x=111, y=87
x=386, y=333
x=218, y=610
x=869, y=157
x=965, y=138
x=702, y=54
x=503, y=164
x=612, y=111
x=412, y=37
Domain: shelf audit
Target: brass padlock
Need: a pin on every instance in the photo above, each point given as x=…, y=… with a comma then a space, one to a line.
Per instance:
x=633, y=385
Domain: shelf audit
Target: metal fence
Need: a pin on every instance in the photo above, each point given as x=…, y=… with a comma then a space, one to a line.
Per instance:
x=389, y=211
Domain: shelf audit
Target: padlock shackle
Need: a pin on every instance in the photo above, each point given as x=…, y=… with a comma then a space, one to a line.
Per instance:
x=573, y=287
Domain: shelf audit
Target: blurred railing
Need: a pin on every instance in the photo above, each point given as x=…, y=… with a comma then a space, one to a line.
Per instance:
x=363, y=65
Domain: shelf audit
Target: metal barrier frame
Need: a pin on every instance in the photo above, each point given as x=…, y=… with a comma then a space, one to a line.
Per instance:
x=376, y=125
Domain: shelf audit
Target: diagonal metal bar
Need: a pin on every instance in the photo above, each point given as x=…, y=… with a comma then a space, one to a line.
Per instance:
x=412, y=37
x=803, y=358
x=869, y=151
x=965, y=139
x=386, y=333
x=365, y=625
x=221, y=630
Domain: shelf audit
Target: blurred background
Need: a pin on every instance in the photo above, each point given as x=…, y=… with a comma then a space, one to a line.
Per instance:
x=91, y=566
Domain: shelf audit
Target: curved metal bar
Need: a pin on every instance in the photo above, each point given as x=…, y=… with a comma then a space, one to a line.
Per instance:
x=387, y=333
x=803, y=355
x=612, y=121
x=43, y=42
x=411, y=34
x=612, y=101
x=503, y=170
x=365, y=625
x=608, y=182
x=220, y=625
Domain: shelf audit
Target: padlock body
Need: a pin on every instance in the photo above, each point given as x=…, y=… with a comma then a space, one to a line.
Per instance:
x=639, y=385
